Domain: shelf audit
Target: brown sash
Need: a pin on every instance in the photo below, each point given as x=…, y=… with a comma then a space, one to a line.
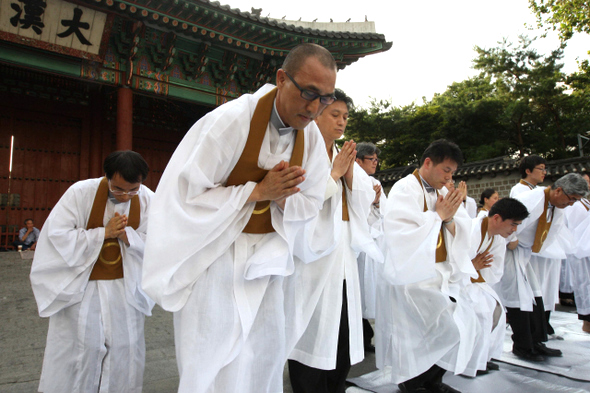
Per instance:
x=585, y=203
x=441, y=248
x=526, y=184
x=543, y=226
x=109, y=265
x=484, y=230
x=247, y=169
x=344, y=202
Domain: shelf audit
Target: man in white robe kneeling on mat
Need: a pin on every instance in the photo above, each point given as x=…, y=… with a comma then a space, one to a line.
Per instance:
x=424, y=325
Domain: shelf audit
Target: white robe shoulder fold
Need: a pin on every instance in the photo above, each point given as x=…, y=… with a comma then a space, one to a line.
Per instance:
x=422, y=316
x=66, y=250
x=313, y=319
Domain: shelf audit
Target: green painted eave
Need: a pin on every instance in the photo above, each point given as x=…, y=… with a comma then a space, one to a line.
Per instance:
x=37, y=60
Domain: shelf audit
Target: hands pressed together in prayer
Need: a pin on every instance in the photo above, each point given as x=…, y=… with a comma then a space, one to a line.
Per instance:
x=344, y=163
x=278, y=184
x=482, y=261
x=377, y=188
x=116, y=228
x=447, y=206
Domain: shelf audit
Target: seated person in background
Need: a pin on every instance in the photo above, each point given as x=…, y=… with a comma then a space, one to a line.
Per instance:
x=27, y=236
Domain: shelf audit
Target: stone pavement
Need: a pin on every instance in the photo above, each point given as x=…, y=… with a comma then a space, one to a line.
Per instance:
x=23, y=334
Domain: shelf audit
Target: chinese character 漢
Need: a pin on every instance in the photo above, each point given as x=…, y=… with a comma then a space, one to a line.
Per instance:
x=33, y=10
x=74, y=27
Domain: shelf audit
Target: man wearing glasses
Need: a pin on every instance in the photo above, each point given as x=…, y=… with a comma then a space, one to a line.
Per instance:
x=520, y=288
x=532, y=173
x=86, y=277
x=236, y=204
x=367, y=158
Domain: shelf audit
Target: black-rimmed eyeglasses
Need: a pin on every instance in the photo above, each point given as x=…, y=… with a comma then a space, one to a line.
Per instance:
x=376, y=160
x=311, y=95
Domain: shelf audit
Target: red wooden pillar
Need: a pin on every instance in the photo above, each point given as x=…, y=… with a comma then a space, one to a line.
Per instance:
x=124, y=119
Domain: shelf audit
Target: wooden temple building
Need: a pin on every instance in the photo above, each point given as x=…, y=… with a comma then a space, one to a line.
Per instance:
x=81, y=78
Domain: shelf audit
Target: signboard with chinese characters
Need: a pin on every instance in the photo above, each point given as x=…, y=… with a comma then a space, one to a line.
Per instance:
x=55, y=25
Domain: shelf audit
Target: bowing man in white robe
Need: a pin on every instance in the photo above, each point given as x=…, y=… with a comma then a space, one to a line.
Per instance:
x=367, y=157
x=519, y=287
x=577, y=218
x=424, y=325
x=488, y=247
x=204, y=261
x=329, y=289
x=86, y=277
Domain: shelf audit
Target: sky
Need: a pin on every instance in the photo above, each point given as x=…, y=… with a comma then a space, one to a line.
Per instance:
x=433, y=41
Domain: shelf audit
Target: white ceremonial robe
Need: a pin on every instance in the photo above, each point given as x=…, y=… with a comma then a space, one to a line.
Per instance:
x=367, y=266
x=417, y=323
x=225, y=286
x=471, y=206
x=519, y=188
x=519, y=284
x=95, y=338
x=577, y=219
x=318, y=286
x=486, y=302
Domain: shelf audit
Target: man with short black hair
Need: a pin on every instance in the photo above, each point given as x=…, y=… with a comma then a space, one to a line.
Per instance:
x=532, y=173
x=488, y=247
x=424, y=325
x=86, y=277
x=235, y=205
x=520, y=288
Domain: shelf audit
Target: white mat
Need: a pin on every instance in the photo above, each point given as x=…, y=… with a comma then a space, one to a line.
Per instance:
x=568, y=374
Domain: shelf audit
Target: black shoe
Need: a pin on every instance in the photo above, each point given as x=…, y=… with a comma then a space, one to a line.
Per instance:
x=440, y=387
x=528, y=354
x=543, y=350
x=481, y=372
x=406, y=389
x=491, y=366
x=370, y=348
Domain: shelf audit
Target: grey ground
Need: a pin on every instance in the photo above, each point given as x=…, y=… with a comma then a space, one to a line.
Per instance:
x=23, y=333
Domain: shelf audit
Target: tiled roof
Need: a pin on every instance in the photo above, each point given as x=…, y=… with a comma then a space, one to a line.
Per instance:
x=493, y=167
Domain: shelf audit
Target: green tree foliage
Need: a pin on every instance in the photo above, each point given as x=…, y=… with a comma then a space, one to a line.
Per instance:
x=564, y=16
x=520, y=103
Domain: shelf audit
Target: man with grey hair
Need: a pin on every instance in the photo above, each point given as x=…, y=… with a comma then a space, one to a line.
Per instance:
x=367, y=157
x=520, y=288
x=577, y=218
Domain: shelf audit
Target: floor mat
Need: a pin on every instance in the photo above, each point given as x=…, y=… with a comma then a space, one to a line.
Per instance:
x=568, y=374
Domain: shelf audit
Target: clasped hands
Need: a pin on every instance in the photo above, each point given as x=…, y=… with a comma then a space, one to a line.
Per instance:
x=116, y=228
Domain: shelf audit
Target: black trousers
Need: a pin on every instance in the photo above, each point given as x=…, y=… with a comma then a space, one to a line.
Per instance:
x=528, y=328
x=306, y=379
x=368, y=333
x=432, y=376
